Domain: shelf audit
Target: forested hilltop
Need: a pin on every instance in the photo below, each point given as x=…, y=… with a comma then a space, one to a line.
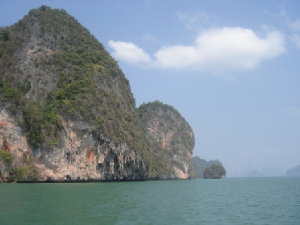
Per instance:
x=200, y=165
x=66, y=109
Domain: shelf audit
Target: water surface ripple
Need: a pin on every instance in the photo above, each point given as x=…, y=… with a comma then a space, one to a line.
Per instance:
x=249, y=201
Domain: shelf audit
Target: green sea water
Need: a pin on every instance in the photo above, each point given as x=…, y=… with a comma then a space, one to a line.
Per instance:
x=227, y=201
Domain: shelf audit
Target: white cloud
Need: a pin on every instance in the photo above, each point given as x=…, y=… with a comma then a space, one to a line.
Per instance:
x=129, y=53
x=177, y=56
x=216, y=50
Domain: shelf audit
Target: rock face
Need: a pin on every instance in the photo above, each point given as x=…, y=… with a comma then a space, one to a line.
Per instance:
x=82, y=155
x=170, y=139
x=67, y=111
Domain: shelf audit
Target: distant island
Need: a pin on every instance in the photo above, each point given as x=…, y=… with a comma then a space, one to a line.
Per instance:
x=212, y=169
x=265, y=171
x=214, y=172
x=294, y=172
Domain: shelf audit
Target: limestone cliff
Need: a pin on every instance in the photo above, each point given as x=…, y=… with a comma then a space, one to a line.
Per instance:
x=170, y=139
x=82, y=155
x=67, y=111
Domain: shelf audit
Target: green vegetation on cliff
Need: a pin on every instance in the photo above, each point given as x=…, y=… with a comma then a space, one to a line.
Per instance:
x=52, y=68
x=169, y=137
x=6, y=157
x=25, y=172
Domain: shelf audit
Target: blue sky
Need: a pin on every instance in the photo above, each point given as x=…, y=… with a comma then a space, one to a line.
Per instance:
x=231, y=68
